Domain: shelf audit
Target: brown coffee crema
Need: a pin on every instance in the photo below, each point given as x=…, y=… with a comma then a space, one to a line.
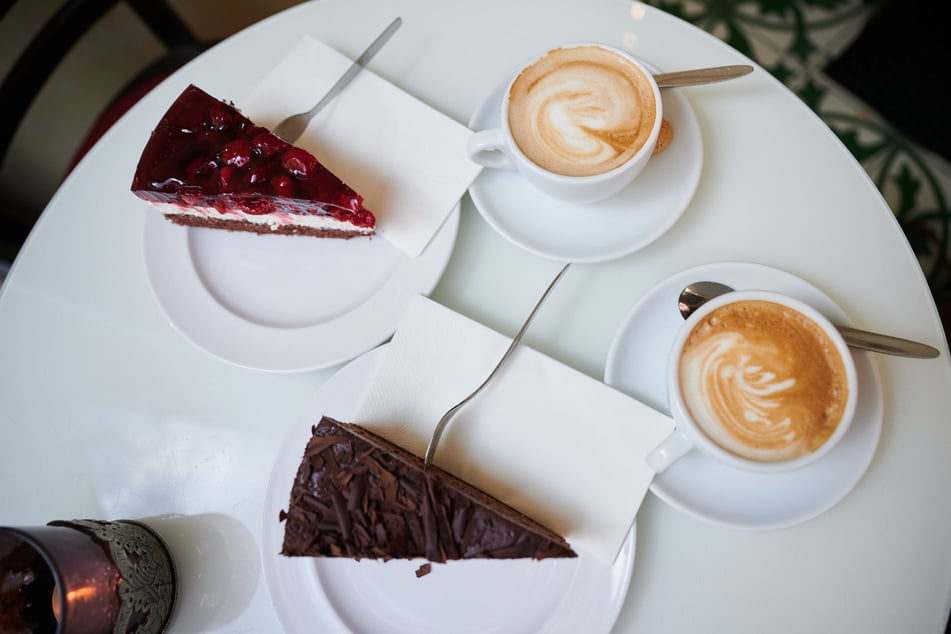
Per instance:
x=763, y=381
x=580, y=111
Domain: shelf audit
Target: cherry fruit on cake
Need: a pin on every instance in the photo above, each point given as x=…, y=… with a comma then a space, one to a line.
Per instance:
x=208, y=165
x=357, y=495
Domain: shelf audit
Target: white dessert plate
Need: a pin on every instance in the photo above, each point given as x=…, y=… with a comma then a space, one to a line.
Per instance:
x=286, y=303
x=341, y=595
x=600, y=231
x=709, y=490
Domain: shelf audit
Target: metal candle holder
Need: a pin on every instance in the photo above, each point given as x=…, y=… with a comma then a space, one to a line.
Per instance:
x=85, y=576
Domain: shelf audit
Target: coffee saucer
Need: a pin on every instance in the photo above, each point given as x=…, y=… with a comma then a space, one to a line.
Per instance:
x=600, y=231
x=698, y=484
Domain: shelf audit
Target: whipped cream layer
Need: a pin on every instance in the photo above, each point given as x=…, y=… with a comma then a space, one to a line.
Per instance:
x=763, y=381
x=273, y=220
x=581, y=110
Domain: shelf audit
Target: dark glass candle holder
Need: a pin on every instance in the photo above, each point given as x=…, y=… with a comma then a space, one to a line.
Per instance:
x=78, y=576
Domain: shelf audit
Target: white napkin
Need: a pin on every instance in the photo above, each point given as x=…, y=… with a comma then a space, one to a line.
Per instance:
x=406, y=159
x=559, y=446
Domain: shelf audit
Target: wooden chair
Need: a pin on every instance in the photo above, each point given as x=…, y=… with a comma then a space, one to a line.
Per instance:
x=51, y=45
x=58, y=36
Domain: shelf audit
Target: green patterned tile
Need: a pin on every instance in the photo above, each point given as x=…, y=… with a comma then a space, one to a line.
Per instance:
x=800, y=28
x=794, y=40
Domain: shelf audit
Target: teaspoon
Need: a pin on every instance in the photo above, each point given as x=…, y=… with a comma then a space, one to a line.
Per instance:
x=697, y=294
x=701, y=75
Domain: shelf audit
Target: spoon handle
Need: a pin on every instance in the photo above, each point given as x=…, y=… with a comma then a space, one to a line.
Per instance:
x=441, y=425
x=701, y=75
x=887, y=344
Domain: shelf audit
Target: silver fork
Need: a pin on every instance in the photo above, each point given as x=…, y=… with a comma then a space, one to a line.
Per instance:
x=441, y=425
x=293, y=126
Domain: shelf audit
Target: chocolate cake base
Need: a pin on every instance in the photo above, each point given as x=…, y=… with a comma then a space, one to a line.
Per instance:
x=237, y=225
x=357, y=495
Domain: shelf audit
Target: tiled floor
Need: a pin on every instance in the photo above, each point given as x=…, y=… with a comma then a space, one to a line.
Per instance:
x=796, y=40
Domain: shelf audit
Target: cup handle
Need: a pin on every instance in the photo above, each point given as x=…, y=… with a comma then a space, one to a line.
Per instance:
x=669, y=451
x=488, y=148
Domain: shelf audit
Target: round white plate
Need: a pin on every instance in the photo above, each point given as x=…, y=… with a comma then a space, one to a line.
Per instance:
x=286, y=303
x=341, y=595
x=698, y=484
x=599, y=231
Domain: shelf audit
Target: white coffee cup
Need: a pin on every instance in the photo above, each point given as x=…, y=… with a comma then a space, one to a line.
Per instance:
x=586, y=107
x=741, y=393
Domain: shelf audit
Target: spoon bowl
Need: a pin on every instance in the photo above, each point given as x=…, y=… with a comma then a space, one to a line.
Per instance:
x=697, y=294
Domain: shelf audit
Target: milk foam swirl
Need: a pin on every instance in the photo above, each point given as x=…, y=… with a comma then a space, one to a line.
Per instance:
x=756, y=395
x=581, y=111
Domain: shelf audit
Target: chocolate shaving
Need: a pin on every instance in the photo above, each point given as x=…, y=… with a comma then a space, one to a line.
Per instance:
x=424, y=570
x=358, y=495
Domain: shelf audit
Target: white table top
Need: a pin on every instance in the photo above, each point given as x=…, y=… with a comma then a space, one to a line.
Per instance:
x=107, y=412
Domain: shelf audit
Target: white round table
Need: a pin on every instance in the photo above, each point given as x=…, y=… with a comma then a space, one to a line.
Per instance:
x=108, y=412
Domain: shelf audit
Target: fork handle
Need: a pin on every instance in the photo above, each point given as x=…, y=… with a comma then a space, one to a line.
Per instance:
x=441, y=425
x=356, y=66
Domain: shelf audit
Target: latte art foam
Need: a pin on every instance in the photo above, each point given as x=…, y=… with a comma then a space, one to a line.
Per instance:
x=763, y=381
x=580, y=111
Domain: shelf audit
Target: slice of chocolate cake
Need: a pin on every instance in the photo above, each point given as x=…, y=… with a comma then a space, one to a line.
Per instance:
x=358, y=495
x=207, y=165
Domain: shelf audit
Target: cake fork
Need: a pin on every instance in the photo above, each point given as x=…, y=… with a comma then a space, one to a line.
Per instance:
x=293, y=126
x=441, y=425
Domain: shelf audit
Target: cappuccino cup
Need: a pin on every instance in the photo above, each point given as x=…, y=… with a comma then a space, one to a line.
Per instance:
x=759, y=381
x=579, y=123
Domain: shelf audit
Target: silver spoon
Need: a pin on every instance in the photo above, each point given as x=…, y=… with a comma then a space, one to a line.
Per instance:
x=293, y=126
x=698, y=293
x=441, y=425
x=701, y=75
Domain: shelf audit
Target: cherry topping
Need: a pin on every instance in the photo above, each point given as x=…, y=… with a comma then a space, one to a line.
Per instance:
x=200, y=166
x=363, y=218
x=191, y=194
x=266, y=144
x=237, y=153
x=283, y=186
x=225, y=176
x=192, y=120
x=299, y=162
x=221, y=116
x=257, y=174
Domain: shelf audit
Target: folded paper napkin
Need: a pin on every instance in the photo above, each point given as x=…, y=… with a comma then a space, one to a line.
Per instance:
x=405, y=158
x=563, y=448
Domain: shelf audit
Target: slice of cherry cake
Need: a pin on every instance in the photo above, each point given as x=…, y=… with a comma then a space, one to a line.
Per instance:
x=358, y=495
x=207, y=165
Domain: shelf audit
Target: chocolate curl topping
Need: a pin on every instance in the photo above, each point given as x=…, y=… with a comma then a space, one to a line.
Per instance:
x=357, y=495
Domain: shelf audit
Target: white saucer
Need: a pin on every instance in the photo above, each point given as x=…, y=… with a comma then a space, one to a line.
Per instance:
x=286, y=303
x=341, y=595
x=701, y=486
x=599, y=231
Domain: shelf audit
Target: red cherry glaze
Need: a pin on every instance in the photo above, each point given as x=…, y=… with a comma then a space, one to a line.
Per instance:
x=283, y=186
x=266, y=144
x=236, y=153
x=256, y=175
x=298, y=162
x=205, y=152
x=220, y=116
